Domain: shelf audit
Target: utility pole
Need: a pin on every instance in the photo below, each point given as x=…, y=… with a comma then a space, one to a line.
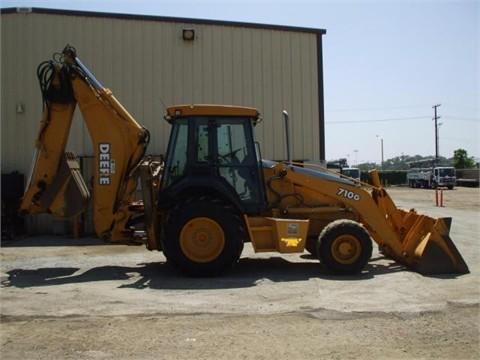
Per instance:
x=436, y=117
x=381, y=150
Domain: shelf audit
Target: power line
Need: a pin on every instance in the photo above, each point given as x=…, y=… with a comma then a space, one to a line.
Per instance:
x=377, y=120
x=403, y=118
x=379, y=108
x=459, y=138
x=461, y=118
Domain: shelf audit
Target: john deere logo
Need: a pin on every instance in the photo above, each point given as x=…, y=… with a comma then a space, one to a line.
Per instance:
x=106, y=165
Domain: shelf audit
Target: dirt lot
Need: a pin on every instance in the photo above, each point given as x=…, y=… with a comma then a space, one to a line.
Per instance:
x=67, y=298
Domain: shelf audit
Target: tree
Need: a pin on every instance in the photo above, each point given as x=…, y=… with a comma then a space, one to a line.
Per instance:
x=461, y=160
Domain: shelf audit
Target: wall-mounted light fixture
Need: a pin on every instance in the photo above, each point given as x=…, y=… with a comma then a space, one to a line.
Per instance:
x=20, y=108
x=24, y=10
x=188, y=34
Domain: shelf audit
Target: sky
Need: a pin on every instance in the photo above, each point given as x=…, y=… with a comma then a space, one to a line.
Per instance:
x=386, y=63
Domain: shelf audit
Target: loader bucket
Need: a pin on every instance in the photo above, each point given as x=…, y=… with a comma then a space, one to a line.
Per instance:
x=424, y=243
x=430, y=249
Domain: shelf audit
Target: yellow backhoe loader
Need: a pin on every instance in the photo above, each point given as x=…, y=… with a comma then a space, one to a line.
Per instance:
x=214, y=192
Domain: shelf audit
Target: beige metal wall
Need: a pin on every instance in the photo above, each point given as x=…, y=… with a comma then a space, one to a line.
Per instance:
x=147, y=64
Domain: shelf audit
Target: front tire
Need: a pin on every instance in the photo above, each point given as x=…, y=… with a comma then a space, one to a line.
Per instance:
x=344, y=247
x=203, y=237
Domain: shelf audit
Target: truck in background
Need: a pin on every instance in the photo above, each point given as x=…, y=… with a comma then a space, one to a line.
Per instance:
x=341, y=167
x=352, y=172
x=434, y=177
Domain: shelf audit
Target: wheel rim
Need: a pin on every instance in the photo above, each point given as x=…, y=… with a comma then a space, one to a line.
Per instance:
x=202, y=240
x=346, y=249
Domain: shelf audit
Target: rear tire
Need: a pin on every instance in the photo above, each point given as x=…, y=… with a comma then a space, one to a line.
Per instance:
x=344, y=247
x=203, y=237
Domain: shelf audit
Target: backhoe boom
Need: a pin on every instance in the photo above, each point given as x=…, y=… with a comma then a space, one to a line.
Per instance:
x=118, y=141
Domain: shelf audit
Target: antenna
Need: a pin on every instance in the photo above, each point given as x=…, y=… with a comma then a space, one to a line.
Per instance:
x=163, y=104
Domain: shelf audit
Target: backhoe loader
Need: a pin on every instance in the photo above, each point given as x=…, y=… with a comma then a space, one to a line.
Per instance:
x=213, y=192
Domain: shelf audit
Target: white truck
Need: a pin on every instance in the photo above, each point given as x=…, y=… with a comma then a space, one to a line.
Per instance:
x=352, y=172
x=439, y=176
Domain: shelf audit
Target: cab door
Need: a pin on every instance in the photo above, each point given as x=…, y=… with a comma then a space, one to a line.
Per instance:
x=237, y=162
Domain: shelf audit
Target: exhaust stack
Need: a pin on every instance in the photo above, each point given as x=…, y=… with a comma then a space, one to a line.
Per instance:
x=287, y=135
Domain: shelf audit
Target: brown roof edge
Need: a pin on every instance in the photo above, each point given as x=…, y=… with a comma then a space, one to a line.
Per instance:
x=37, y=10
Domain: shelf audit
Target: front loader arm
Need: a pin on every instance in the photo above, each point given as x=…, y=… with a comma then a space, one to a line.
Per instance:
x=352, y=197
x=119, y=144
x=417, y=241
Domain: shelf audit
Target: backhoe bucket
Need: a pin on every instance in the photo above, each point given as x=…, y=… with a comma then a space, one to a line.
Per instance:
x=429, y=249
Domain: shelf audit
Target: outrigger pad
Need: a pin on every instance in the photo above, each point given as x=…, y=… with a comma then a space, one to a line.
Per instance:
x=68, y=194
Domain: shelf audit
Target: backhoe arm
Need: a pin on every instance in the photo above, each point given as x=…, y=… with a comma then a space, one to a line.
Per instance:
x=119, y=144
x=55, y=184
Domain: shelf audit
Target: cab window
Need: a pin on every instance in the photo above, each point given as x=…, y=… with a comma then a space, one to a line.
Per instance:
x=176, y=166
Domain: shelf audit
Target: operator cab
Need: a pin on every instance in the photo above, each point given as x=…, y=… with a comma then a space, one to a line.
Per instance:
x=212, y=151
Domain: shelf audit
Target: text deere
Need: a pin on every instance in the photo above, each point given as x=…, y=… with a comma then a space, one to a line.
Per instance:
x=106, y=165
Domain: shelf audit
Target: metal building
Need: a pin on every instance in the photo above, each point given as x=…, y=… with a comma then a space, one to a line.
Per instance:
x=149, y=63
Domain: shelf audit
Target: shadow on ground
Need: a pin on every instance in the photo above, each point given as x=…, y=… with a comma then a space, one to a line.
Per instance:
x=158, y=275
x=43, y=241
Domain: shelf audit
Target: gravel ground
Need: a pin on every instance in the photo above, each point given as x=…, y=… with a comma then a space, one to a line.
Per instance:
x=65, y=298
